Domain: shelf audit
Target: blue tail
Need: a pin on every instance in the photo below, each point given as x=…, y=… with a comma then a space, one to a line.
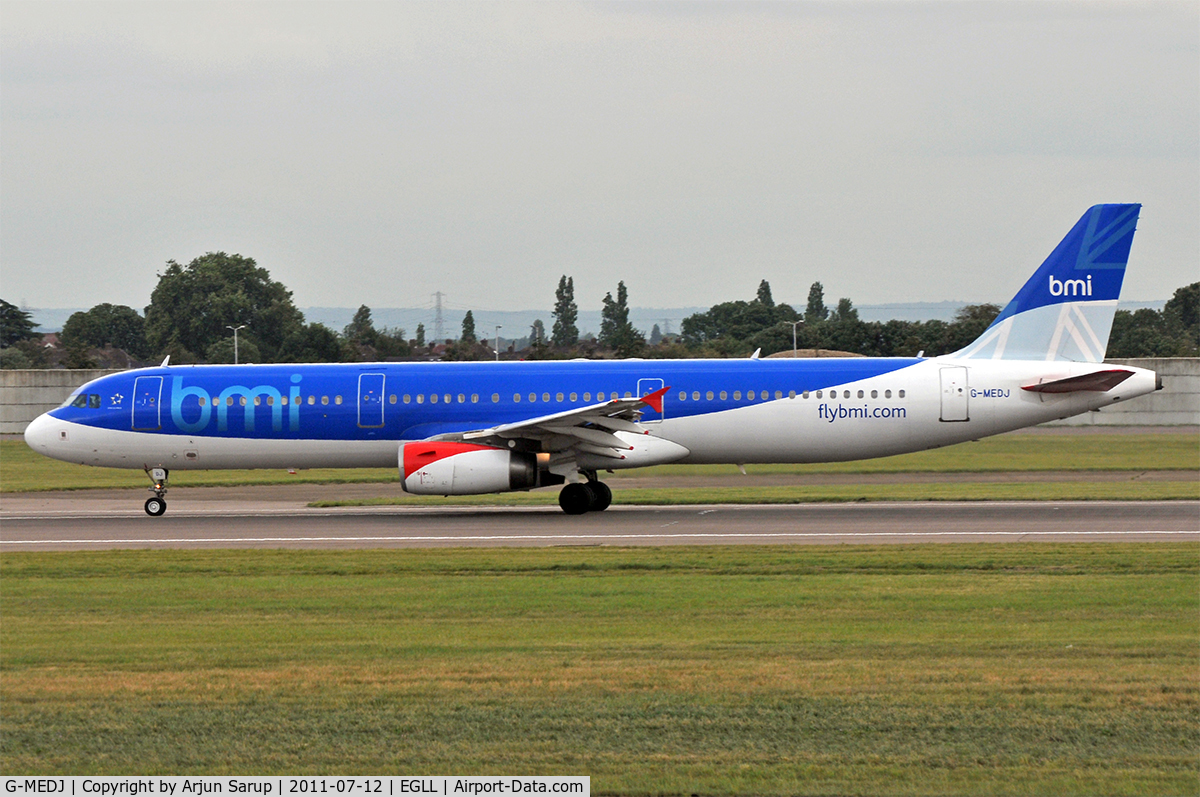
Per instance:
x=1065, y=311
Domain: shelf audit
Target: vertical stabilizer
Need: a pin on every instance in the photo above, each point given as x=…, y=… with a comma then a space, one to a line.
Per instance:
x=1065, y=311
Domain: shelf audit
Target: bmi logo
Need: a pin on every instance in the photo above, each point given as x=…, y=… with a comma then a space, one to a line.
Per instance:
x=1070, y=287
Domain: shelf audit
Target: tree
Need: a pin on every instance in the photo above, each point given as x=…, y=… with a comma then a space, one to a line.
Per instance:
x=655, y=335
x=1182, y=314
x=312, y=343
x=468, y=328
x=816, y=310
x=565, y=333
x=15, y=325
x=615, y=330
x=420, y=336
x=108, y=324
x=537, y=333
x=361, y=329
x=764, y=294
x=191, y=306
x=846, y=311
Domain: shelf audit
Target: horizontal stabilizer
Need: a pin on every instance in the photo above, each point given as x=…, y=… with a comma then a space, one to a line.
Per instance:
x=1099, y=382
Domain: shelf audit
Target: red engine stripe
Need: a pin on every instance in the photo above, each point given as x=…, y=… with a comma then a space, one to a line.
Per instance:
x=418, y=455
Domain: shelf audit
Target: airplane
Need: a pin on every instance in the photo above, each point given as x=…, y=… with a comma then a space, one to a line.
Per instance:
x=490, y=427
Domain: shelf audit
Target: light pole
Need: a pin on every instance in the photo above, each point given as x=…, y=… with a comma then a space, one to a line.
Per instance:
x=235, y=341
x=794, y=325
x=498, y=328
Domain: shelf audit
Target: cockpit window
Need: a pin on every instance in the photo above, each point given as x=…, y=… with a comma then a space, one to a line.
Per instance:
x=80, y=400
x=93, y=401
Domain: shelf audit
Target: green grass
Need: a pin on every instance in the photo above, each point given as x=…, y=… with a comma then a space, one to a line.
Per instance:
x=958, y=669
x=21, y=470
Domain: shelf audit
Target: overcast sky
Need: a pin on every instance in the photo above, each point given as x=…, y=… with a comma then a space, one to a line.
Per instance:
x=378, y=152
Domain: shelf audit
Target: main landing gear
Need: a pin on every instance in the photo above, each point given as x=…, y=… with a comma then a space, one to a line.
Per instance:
x=158, y=504
x=580, y=497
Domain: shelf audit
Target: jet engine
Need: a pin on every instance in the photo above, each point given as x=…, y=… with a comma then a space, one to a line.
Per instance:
x=467, y=469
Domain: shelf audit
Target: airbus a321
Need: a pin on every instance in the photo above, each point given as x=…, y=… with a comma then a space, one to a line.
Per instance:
x=492, y=427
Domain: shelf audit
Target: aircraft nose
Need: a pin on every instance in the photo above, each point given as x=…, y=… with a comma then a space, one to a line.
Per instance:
x=41, y=433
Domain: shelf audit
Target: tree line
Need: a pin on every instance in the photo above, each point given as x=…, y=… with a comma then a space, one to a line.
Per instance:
x=195, y=307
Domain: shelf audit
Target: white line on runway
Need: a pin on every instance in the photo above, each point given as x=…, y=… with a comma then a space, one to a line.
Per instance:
x=571, y=537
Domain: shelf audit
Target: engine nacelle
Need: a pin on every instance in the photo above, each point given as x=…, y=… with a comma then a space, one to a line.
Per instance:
x=465, y=469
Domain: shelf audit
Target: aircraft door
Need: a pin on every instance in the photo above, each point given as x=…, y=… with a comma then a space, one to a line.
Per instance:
x=644, y=388
x=955, y=394
x=370, y=401
x=147, y=402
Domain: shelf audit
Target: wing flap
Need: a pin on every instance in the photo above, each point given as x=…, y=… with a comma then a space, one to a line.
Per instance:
x=1097, y=381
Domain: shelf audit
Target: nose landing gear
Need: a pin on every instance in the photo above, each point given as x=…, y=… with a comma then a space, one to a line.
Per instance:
x=158, y=504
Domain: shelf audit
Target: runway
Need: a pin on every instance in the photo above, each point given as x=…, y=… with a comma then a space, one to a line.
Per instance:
x=238, y=525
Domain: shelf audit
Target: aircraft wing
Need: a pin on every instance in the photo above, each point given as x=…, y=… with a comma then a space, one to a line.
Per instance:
x=1098, y=381
x=585, y=430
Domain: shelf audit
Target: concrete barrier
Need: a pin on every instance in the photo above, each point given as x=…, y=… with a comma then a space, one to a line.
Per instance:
x=24, y=395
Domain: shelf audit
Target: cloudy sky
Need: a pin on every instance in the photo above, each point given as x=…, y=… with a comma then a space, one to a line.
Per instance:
x=379, y=152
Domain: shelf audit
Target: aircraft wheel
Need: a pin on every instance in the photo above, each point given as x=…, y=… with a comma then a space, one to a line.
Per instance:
x=575, y=499
x=155, y=506
x=601, y=496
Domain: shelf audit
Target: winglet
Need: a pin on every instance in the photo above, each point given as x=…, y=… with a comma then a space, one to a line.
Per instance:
x=655, y=400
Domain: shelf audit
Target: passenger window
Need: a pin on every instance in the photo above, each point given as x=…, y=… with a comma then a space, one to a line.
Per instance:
x=874, y=394
x=791, y=394
x=574, y=397
x=462, y=399
x=695, y=395
x=627, y=394
x=804, y=394
x=532, y=397
x=283, y=399
x=324, y=400
x=516, y=398
x=312, y=400
x=749, y=395
x=737, y=395
x=778, y=394
x=900, y=394
x=587, y=396
x=433, y=398
x=420, y=398
x=258, y=401
x=474, y=398
x=683, y=395
x=860, y=394
x=495, y=398
x=546, y=397
x=558, y=397
x=407, y=398
x=202, y=400
x=270, y=401
x=241, y=401
x=818, y=394
x=724, y=395
x=447, y=398
x=887, y=394
x=709, y=395
x=392, y=399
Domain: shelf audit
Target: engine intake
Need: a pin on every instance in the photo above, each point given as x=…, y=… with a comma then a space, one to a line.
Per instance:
x=465, y=469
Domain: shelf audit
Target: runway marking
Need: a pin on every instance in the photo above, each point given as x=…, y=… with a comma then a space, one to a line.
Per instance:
x=569, y=537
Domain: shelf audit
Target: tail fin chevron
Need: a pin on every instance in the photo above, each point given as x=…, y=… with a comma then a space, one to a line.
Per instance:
x=1065, y=311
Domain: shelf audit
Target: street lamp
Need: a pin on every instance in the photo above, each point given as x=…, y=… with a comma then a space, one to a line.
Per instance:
x=498, y=328
x=794, y=325
x=235, y=341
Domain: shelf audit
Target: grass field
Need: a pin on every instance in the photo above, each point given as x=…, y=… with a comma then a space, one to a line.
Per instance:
x=963, y=669
x=22, y=470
